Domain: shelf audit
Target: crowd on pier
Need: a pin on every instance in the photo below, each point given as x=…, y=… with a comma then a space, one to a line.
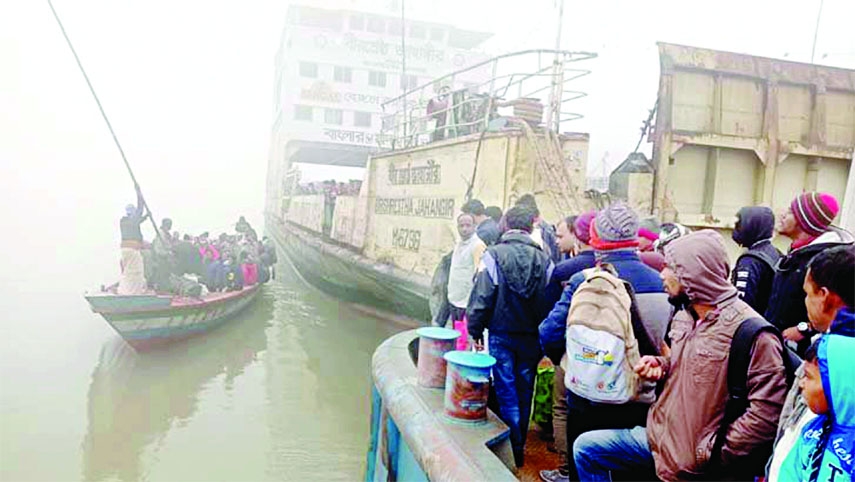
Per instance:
x=190, y=265
x=672, y=361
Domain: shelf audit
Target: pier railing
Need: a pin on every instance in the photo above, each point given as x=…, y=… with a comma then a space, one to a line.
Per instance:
x=532, y=82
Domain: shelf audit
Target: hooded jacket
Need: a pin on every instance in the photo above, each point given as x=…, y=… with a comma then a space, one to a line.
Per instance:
x=796, y=412
x=755, y=268
x=786, y=304
x=509, y=292
x=488, y=231
x=683, y=424
x=833, y=432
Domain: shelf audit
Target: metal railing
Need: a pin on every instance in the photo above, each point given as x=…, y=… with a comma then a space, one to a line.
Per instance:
x=457, y=104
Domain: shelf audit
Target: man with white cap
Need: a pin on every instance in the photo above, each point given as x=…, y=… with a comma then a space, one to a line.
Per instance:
x=132, y=281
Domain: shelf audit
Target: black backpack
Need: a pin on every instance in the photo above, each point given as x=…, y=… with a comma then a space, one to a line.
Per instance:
x=737, y=378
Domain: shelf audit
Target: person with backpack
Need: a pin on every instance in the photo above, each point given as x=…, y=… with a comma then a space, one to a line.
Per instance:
x=830, y=304
x=613, y=235
x=807, y=223
x=573, y=236
x=755, y=268
x=686, y=434
x=508, y=299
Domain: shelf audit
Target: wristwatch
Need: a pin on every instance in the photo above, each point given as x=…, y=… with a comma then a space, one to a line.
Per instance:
x=804, y=328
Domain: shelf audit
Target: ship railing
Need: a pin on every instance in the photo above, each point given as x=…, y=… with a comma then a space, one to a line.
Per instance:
x=533, y=82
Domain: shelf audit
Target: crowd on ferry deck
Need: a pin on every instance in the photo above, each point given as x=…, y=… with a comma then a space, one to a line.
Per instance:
x=190, y=265
x=797, y=418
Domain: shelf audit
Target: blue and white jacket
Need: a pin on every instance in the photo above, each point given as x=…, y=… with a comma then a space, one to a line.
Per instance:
x=834, y=430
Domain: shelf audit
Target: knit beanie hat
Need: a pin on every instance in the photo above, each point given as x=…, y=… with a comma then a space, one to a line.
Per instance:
x=582, y=226
x=616, y=223
x=814, y=211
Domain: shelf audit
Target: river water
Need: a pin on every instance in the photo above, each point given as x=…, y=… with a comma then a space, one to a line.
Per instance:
x=282, y=392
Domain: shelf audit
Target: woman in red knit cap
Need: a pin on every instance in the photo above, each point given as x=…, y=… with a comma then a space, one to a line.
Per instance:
x=807, y=223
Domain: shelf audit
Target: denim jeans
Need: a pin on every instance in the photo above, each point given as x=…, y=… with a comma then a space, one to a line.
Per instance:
x=584, y=416
x=516, y=357
x=617, y=453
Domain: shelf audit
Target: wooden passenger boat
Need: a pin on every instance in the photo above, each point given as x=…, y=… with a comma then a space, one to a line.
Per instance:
x=149, y=320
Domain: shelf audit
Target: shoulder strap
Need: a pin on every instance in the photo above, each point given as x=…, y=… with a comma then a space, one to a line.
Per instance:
x=740, y=355
x=737, y=372
x=758, y=256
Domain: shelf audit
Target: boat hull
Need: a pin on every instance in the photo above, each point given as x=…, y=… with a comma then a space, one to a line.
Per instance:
x=349, y=276
x=147, y=321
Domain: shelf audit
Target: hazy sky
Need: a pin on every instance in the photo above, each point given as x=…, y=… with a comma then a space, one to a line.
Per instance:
x=188, y=86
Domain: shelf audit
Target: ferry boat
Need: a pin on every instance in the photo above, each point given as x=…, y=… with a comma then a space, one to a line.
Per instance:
x=439, y=148
x=730, y=130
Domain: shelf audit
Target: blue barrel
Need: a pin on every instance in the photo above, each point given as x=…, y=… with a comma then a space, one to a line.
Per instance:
x=434, y=343
x=467, y=385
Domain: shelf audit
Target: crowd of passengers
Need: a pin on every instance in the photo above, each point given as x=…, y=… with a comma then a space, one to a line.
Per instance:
x=733, y=371
x=191, y=265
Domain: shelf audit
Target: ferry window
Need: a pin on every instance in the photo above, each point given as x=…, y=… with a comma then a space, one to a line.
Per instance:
x=342, y=74
x=376, y=25
x=377, y=79
x=357, y=22
x=362, y=119
x=333, y=116
x=395, y=27
x=303, y=112
x=309, y=69
x=437, y=34
x=409, y=82
x=417, y=31
x=317, y=18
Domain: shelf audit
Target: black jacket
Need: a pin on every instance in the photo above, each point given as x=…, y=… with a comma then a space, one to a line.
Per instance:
x=787, y=302
x=754, y=270
x=509, y=295
x=130, y=224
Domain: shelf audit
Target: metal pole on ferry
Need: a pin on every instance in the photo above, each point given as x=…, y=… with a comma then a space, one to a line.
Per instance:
x=404, y=83
x=555, y=96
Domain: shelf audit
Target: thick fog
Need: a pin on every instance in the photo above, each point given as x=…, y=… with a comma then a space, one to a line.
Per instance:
x=188, y=87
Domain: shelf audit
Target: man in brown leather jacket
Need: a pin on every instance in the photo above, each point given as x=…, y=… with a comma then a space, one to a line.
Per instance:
x=683, y=424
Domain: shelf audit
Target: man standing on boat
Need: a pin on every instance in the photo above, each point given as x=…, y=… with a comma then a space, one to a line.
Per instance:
x=509, y=300
x=132, y=281
x=465, y=258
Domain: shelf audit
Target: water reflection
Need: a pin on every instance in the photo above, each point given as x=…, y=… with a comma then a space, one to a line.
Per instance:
x=134, y=399
x=319, y=367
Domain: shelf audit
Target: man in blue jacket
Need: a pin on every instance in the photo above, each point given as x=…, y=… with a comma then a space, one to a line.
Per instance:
x=825, y=447
x=508, y=299
x=615, y=240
